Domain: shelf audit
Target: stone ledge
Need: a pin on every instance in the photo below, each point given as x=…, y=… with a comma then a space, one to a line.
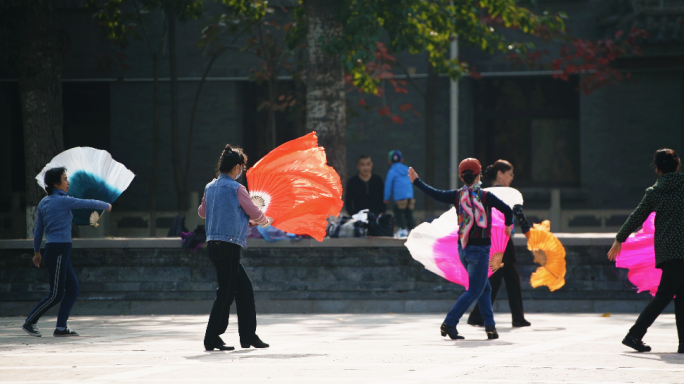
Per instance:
x=568, y=239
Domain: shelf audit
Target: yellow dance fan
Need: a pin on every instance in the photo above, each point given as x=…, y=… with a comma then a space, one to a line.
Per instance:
x=550, y=254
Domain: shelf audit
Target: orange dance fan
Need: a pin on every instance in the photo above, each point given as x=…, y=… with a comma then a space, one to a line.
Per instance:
x=550, y=253
x=294, y=185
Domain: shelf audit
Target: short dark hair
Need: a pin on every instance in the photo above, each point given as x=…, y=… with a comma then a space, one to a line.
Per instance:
x=666, y=160
x=500, y=165
x=362, y=157
x=53, y=176
x=230, y=157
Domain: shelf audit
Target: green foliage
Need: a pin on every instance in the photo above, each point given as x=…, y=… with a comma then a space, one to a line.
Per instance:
x=119, y=18
x=418, y=25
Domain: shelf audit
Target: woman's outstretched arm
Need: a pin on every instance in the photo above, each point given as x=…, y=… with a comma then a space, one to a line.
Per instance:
x=448, y=197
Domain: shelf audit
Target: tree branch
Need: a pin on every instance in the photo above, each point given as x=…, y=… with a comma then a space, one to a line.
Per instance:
x=410, y=79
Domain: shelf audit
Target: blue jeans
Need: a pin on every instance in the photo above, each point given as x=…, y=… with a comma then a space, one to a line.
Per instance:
x=63, y=284
x=475, y=259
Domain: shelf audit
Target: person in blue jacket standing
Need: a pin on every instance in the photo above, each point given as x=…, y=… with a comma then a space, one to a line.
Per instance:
x=398, y=187
x=54, y=220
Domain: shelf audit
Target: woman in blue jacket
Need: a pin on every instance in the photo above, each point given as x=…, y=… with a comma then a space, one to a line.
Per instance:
x=54, y=219
x=229, y=212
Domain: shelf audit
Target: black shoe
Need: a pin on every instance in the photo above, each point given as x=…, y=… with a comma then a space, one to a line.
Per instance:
x=475, y=323
x=637, y=344
x=518, y=324
x=681, y=348
x=445, y=329
x=216, y=343
x=491, y=332
x=31, y=329
x=256, y=343
x=65, y=333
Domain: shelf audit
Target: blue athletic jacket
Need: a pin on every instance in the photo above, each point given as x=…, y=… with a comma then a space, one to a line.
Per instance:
x=397, y=184
x=54, y=217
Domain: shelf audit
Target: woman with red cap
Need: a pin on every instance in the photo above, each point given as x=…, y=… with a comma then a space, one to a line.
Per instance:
x=473, y=206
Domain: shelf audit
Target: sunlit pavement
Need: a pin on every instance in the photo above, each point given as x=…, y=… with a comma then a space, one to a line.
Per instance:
x=341, y=348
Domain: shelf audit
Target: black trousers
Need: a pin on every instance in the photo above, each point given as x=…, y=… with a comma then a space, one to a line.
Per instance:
x=671, y=284
x=508, y=272
x=63, y=284
x=233, y=284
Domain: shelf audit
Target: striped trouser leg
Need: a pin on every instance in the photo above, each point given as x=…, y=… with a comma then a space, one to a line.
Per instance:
x=55, y=258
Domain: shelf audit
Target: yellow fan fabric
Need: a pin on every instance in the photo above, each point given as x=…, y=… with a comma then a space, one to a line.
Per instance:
x=550, y=254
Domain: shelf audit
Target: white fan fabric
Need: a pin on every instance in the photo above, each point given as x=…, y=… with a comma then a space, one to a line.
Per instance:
x=94, y=161
x=508, y=195
x=422, y=239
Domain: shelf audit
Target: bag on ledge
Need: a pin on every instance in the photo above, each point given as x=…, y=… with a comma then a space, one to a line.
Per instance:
x=192, y=241
x=346, y=227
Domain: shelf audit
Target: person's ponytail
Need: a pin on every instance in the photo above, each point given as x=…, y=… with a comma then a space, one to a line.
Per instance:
x=666, y=160
x=468, y=177
x=493, y=170
x=230, y=157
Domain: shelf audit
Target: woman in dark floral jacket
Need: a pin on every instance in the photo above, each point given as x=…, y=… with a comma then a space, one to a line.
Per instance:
x=666, y=199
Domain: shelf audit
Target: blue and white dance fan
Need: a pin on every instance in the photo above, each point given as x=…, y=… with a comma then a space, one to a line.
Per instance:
x=93, y=174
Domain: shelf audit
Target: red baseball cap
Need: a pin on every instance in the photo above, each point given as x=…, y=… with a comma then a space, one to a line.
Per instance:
x=470, y=164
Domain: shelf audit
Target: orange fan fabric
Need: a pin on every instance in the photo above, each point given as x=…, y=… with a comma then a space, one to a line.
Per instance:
x=550, y=253
x=294, y=185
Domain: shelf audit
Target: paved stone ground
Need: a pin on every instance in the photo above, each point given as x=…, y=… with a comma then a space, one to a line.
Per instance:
x=340, y=348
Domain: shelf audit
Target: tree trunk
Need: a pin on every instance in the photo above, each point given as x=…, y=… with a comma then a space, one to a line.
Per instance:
x=181, y=188
x=156, y=124
x=430, y=99
x=44, y=45
x=325, y=94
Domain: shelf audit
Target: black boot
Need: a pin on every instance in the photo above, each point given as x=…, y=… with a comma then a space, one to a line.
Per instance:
x=518, y=324
x=256, y=343
x=445, y=329
x=637, y=344
x=475, y=322
x=216, y=343
x=681, y=348
x=491, y=332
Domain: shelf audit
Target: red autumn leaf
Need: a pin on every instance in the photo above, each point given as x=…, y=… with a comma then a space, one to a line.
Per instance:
x=397, y=119
x=400, y=90
x=405, y=107
x=384, y=111
x=362, y=102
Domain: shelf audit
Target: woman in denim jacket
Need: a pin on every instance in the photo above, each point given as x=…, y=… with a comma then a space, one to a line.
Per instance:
x=229, y=211
x=54, y=220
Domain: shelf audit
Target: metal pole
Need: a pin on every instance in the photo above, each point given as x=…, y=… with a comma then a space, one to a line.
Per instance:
x=453, y=142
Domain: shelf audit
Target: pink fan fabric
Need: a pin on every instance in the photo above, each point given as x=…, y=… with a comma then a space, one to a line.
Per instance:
x=638, y=256
x=499, y=237
x=448, y=261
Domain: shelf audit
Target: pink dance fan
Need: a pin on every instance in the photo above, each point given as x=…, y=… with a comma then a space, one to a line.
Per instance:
x=435, y=245
x=638, y=256
x=511, y=197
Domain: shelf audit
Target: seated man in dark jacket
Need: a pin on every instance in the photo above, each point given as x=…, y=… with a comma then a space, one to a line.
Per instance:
x=365, y=189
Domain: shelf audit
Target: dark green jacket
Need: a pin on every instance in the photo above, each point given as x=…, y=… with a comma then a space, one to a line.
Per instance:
x=666, y=199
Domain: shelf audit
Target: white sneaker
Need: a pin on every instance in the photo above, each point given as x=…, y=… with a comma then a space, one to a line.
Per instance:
x=402, y=233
